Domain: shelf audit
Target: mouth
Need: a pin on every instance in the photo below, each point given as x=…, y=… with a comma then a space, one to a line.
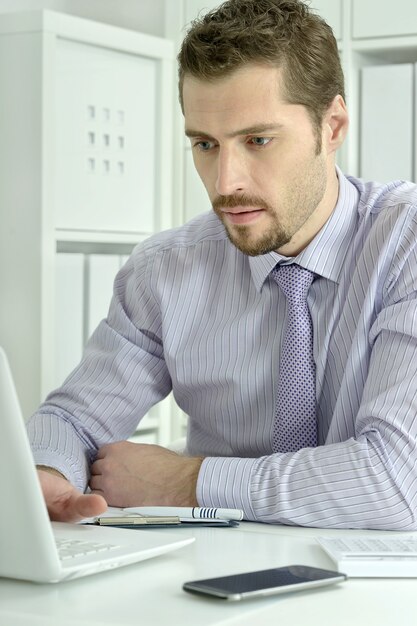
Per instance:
x=242, y=215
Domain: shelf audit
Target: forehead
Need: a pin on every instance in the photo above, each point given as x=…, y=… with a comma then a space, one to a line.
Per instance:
x=249, y=95
x=250, y=82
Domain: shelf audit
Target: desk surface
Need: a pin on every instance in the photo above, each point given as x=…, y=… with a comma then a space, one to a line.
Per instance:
x=150, y=594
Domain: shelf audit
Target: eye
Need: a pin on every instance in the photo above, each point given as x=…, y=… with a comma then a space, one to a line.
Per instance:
x=260, y=141
x=204, y=146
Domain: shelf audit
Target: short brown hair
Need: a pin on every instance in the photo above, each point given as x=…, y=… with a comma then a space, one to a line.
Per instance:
x=285, y=33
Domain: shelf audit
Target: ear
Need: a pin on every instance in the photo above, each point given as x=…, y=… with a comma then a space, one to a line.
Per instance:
x=335, y=125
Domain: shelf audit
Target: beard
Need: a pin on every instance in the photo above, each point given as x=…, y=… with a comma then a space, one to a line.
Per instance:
x=298, y=202
x=271, y=240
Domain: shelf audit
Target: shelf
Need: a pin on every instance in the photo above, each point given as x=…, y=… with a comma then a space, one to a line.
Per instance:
x=385, y=44
x=87, y=31
x=84, y=236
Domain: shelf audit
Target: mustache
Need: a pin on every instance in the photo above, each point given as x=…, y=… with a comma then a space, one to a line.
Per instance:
x=234, y=200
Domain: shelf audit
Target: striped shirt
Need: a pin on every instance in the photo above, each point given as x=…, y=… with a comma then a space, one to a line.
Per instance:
x=192, y=314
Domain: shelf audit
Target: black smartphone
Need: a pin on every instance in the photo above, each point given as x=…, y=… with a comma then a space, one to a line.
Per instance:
x=265, y=582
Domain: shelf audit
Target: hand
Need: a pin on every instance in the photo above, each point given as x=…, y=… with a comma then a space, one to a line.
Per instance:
x=134, y=474
x=64, y=502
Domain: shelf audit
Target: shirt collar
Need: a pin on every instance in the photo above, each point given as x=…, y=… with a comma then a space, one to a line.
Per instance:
x=325, y=254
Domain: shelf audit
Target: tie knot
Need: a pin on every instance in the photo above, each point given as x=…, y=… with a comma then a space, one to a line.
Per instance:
x=294, y=281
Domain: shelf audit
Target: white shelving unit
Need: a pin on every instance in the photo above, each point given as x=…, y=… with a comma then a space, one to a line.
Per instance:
x=86, y=125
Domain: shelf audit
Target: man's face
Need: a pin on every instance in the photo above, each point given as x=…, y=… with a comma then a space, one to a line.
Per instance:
x=257, y=157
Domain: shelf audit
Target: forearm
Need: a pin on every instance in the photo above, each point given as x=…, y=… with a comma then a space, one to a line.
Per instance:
x=344, y=485
x=98, y=404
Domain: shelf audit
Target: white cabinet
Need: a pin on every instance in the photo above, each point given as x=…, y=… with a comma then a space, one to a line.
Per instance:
x=384, y=39
x=107, y=107
x=387, y=145
x=382, y=18
x=86, y=172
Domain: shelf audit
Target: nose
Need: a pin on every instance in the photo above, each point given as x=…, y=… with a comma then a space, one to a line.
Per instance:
x=231, y=172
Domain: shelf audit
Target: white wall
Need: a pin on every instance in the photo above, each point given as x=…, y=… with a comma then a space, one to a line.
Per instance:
x=146, y=16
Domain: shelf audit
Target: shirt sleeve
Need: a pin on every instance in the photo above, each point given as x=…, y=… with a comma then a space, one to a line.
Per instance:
x=122, y=374
x=365, y=481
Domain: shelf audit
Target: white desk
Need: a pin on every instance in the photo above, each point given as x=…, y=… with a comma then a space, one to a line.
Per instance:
x=150, y=594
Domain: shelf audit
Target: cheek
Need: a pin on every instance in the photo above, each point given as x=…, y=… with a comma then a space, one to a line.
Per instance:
x=206, y=171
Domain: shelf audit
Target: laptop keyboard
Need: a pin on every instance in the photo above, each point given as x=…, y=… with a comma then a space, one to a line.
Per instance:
x=72, y=548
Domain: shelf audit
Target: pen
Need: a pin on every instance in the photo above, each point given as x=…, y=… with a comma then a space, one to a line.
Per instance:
x=130, y=520
x=188, y=512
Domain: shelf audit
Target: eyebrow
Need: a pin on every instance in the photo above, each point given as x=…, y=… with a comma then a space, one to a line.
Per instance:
x=250, y=130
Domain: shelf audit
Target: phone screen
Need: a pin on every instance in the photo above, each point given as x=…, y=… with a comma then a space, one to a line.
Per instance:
x=265, y=582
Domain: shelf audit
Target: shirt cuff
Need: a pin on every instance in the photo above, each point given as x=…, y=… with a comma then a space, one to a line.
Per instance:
x=224, y=482
x=63, y=451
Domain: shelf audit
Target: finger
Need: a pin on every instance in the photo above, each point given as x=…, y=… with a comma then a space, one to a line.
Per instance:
x=79, y=507
x=97, y=467
x=90, y=505
x=95, y=483
x=65, y=503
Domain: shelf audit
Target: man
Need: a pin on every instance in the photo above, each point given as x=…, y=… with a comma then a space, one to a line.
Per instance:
x=284, y=321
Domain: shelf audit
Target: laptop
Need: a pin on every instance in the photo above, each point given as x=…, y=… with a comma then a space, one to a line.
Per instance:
x=30, y=544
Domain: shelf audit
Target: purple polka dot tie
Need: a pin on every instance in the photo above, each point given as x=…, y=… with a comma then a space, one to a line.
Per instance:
x=295, y=423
